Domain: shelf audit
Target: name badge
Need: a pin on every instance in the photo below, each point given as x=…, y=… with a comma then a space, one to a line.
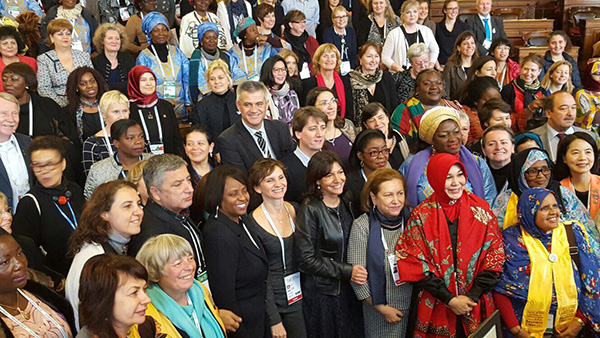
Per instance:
x=13, y=11
x=203, y=278
x=157, y=148
x=305, y=72
x=124, y=13
x=170, y=90
x=550, y=324
x=487, y=44
x=178, y=9
x=77, y=45
x=254, y=77
x=292, y=288
x=21, y=191
x=391, y=258
x=345, y=67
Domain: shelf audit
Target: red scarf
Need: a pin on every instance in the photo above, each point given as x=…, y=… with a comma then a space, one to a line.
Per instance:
x=425, y=248
x=133, y=87
x=339, y=90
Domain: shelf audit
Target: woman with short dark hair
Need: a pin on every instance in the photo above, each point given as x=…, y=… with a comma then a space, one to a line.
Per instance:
x=375, y=116
x=12, y=48
x=283, y=101
x=324, y=221
x=506, y=69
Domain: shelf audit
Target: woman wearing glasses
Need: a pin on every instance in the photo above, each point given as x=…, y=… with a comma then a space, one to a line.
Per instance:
x=343, y=37
x=50, y=211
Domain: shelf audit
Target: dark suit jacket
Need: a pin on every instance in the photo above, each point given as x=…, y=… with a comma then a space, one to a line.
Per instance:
x=296, y=172
x=23, y=141
x=354, y=186
x=237, y=146
x=103, y=66
x=476, y=26
x=238, y=274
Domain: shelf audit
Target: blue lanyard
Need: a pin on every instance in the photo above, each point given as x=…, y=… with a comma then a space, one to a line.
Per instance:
x=73, y=225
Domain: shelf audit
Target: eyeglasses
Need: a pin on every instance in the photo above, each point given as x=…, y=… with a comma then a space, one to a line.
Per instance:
x=38, y=168
x=533, y=172
x=340, y=17
x=279, y=70
x=376, y=153
x=303, y=22
x=452, y=8
x=326, y=103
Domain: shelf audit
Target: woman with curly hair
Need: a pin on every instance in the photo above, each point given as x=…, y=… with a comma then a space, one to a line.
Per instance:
x=11, y=49
x=113, y=62
x=28, y=27
x=85, y=87
x=109, y=219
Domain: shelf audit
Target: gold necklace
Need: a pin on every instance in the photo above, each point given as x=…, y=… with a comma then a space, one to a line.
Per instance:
x=26, y=315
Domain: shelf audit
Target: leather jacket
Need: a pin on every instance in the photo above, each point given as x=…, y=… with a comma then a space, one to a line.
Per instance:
x=319, y=247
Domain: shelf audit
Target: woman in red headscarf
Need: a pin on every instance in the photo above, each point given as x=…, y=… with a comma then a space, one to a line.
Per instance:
x=156, y=116
x=453, y=251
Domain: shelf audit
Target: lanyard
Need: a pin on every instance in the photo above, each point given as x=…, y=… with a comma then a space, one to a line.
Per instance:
x=194, y=315
x=277, y=232
x=74, y=30
x=158, y=125
x=72, y=223
x=197, y=247
x=159, y=63
x=108, y=143
x=44, y=313
x=503, y=75
x=246, y=62
x=362, y=172
x=249, y=236
x=30, y=118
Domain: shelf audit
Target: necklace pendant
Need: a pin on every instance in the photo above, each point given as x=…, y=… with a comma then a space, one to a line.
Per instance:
x=150, y=116
x=24, y=313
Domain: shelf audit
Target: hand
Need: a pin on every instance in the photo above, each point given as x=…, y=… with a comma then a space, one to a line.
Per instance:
x=261, y=39
x=392, y=315
x=571, y=330
x=230, y=320
x=278, y=331
x=461, y=305
x=535, y=104
x=396, y=68
x=359, y=274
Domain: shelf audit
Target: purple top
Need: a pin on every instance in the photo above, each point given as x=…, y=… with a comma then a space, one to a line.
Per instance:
x=341, y=145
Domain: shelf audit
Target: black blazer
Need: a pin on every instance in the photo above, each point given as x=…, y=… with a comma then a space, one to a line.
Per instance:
x=296, y=178
x=5, y=187
x=388, y=85
x=476, y=26
x=103, y=66
x=354, y=185
x=311, y=82
x=238, y=274
x=170, y=127
x=216, y=113
x=237, y=146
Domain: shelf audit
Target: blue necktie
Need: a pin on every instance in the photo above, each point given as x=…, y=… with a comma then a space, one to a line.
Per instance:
x=488, y=35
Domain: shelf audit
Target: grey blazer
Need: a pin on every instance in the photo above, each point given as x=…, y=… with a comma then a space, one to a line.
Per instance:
x=104, y=171
x=542, y=132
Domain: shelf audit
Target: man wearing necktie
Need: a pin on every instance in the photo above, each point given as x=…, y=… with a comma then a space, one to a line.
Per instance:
x=253, y=137
x=485, y=27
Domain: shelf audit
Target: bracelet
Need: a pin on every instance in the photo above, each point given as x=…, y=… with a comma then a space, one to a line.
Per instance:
x=516, y=334
x=580, y=321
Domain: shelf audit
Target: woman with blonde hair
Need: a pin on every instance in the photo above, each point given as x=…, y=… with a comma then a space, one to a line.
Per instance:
x=343, y=37
x=217, y=110
x=113, y=106
x=375, y=26
x=326, y=66
x=401, y=38
x=112, y=61
x=558, y=78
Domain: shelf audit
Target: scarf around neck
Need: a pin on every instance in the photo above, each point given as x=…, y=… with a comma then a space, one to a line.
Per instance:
x=360, y=88
x=298, y=46
x=69, y=14
x=339, y=90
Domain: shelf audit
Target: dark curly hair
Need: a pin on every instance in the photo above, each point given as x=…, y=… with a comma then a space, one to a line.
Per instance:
x=93, y=228
x=73, y=92
x=7, y=32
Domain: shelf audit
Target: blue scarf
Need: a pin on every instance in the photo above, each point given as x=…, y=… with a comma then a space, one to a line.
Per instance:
x=152, y=20
x=376, y=254
x=180, y=318
x=514, y=281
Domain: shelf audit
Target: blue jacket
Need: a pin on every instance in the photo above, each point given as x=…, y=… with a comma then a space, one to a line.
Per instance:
x=575, y=77
x=236, y=62
x=24, y=5
x=329, y=36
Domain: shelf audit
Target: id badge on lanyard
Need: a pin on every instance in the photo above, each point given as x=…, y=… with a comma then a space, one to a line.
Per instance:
x=124, y=13
x=13, y=11
x=203, y=278
x=157, y=148
x=345, y=67
x=170, y=89
x=293, y=289
x=391, y=259
x=77, y=45
x=305, y=72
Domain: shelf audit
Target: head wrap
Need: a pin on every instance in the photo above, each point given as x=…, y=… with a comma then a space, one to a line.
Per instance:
x=6, y=21
x=528, y=207
x=242, y=25
x=530, y=136
x=437, y=179
x=133, y=87
x=205, y=27
x=152, y=20
x=586, y=79
x=431, y=120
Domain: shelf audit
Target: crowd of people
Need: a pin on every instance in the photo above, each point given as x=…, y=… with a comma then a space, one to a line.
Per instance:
x=295, y=168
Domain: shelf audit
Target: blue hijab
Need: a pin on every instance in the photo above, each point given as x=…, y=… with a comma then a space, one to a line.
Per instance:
x=514, y=281
x=181, y=318
x=152, y=20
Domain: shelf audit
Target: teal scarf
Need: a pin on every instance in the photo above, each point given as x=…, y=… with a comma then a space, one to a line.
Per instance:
x=180, y=318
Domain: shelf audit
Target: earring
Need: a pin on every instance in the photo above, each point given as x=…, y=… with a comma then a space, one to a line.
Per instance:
x=210, y=154
x=27, y=87
x=319, y=186
x=217, y=212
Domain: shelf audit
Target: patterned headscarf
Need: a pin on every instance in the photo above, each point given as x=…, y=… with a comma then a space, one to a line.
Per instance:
x=431, y=120
x=205, y=27
x=152, y=20
x=242, y=25
x=528, y=206
x=588, y=82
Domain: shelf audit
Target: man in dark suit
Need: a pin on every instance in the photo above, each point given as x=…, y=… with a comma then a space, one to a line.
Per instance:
x=308, y=125
x=253, y=137
x=170, y=194
x=485, y=27
x=15, y=176
x=561, y=110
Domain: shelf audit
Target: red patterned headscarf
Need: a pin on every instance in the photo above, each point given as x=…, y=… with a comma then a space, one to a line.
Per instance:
x=133, y=87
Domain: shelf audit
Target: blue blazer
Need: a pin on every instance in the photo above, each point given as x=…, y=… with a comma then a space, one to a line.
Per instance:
x=329, y=36
x=5, y=187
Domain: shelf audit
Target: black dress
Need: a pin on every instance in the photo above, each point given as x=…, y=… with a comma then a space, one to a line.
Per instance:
x=216, y=113
x=116, y=78
x=170, y=127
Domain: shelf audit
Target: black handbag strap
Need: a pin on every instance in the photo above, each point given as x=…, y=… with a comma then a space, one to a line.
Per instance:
x=573, y=249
